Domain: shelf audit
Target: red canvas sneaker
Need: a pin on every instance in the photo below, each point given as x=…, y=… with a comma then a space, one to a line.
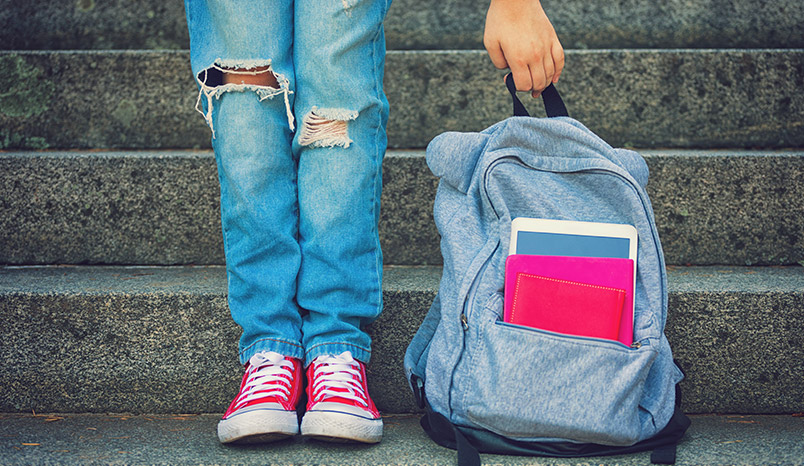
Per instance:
x=265, y=408
x=339, y=408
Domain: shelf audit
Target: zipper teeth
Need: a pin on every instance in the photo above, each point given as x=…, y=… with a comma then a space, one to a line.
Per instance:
x=470, y=301
x=635, y=345
x=467, y=303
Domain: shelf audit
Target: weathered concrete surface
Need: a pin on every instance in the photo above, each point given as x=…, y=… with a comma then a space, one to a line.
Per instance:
x=158, y=208
x=417, y=24
x=746, y=207
x=640, y=98
x=91, y=24
x=650, y=99
x=97, y=339
x=731, y=329
x=71, y=439
x=130, y=208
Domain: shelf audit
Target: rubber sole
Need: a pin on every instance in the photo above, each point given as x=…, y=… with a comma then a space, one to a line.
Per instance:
x=258, y=426
x=336, y=427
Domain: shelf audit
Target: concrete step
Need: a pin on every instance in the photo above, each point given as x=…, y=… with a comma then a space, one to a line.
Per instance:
x=712, y=207
x=78, y=439
x=160, y=340
x=639, y=98
x=416, y=24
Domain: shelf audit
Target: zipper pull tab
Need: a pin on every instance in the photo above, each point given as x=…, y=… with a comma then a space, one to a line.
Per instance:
x=464, y=322
x=636, y=345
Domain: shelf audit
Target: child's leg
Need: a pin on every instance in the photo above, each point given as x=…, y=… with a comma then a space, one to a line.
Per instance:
x=242, y=58
x=339, y=54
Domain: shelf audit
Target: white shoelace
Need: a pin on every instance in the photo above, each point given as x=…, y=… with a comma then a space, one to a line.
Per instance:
x=270, y=374
x=338, y=376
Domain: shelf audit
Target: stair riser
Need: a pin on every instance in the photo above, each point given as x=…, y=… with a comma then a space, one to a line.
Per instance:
x=161, y=340
x=416, y=24
x=644, y=98
x=721, y=207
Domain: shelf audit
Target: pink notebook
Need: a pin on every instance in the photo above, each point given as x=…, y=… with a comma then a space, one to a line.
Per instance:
x=567, y=307
x=569, y=276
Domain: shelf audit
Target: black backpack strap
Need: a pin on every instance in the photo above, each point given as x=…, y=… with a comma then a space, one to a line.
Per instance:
x=664, y=455
x=467, y=453
x=444, y=433
x=674, y=431
x=553, y=104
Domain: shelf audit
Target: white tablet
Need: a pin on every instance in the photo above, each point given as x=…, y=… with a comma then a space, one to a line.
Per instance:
x=572, y=238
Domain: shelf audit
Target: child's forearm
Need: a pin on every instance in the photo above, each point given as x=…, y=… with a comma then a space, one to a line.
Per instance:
x=519, y=36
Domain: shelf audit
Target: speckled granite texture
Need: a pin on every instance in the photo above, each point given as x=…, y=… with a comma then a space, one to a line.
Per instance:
x=640, y=98
x=417, y=24
x=712, y=207
x=115, y=339
x=181, y=439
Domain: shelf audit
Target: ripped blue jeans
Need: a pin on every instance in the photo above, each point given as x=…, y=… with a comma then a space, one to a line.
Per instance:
x=299, y=165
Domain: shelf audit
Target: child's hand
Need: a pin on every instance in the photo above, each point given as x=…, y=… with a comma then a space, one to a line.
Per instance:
x=520, y=37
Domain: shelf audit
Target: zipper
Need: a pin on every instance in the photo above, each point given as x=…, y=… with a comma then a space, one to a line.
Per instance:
x=634, y=346
x=469, y=301
x=464, y=319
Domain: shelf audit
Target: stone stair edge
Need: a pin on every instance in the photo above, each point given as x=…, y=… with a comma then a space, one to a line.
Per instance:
x=640, y=98
x=413, y=278
x=392, y=152
x=133, y=336
x=417, y=24
x=475, y=51
x=702, y=200
x=70, y=439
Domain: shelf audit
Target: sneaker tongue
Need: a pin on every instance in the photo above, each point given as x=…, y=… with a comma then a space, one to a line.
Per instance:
x=339, y=399
x=343, y=358
x=265, y=356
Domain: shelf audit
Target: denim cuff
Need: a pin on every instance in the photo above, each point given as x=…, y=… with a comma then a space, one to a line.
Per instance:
x=361, y=354
x=285, y=348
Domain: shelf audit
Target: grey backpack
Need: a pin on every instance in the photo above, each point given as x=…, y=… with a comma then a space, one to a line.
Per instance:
x=490, y=387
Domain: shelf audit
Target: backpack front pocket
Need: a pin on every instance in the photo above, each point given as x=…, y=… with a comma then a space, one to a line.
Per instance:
x=529, y=384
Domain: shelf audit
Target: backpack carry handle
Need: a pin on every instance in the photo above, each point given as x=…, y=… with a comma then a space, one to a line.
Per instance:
x=553, y=105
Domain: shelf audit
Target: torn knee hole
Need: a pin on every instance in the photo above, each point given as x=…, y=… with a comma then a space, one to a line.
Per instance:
x=259, y=76
x=326, y=128
x=240, y=76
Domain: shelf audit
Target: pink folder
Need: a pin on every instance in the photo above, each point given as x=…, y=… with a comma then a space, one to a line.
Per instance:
x=601, y=272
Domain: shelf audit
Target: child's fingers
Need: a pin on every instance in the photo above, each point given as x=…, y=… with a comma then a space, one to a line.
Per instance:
x=556, y=76
x=497, y=57
x=522, y=77
x=539, y=78
x=558, y=60
x=549, y=70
